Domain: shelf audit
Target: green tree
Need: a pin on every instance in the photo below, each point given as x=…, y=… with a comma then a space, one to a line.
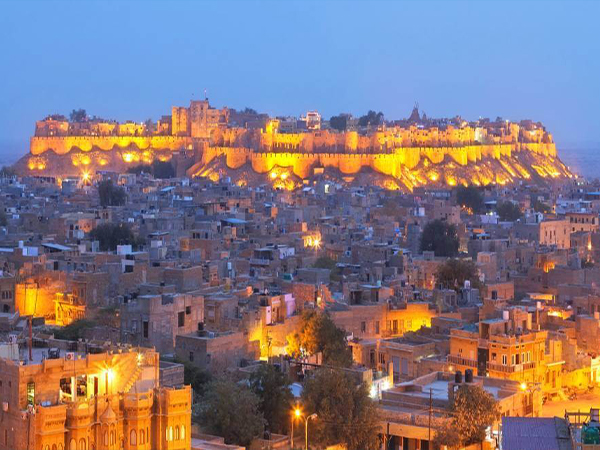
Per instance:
x=317, y=334
x=78, y=115
x=371, y=118
x=249, y=111
x=346, y=413
x=272, y=387
x=470, y=197
x=162, y=169
x=508, y=211
x=339, y=122
x=473, y=411
x=74, y=330
x=324, y=262
x=447, y=436
x=453, y=273
x=231, y=411
x=440, y=237
x=197, y=378
x=145, y=168
x=111, y=195
x=112, y=234
x=541, y=207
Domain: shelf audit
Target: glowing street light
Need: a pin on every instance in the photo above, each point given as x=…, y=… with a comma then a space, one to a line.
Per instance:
x=295, y=415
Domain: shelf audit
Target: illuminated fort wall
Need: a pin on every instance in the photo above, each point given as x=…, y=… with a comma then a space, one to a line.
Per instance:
x=389, y=163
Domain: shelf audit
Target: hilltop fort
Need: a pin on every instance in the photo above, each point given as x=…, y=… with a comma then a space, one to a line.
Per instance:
x=254, y=148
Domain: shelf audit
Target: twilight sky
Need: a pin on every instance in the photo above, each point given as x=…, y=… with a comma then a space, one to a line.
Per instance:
x=134, y=60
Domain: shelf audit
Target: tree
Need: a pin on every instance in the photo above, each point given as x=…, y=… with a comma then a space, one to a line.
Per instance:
x=78, y=115
x=317, y=334
x=74, y=330
x=371, y=118
x=339, y=122
x=231, y=411
x=453, y=273
x=111, y=195
x=447, y=436
x=272, y=387
x=112, y=234
x=249, y=111
x=158, y=169
x=469, y=197
x=346, y=413
x=473, y=411
x=324, y=262
x=3, y=219
x=162, y=169
x=508, y=212
x=197, y=378
x=541, y=207
x=440, y=237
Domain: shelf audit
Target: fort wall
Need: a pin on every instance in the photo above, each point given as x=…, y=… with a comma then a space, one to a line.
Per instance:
x=388, y=163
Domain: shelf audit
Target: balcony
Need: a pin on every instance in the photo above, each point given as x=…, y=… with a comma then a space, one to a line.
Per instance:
x=510, y=369
x=460, y=361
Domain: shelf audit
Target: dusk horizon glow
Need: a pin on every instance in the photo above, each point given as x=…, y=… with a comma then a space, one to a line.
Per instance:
x=133, y=61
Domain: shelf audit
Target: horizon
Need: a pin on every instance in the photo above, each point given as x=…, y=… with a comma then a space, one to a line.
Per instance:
x=495, y=61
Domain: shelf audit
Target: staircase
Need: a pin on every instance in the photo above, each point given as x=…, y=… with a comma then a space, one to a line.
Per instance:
x=134, y=377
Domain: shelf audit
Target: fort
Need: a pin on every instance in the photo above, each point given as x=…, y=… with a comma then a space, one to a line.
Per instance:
x=221, y=142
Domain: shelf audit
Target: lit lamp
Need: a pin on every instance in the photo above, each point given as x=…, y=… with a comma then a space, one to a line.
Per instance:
x=295, y=415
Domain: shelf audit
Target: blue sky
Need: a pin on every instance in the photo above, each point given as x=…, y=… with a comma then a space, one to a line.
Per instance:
x=134, y=60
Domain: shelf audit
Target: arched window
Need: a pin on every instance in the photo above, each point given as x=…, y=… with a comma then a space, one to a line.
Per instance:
x=60, y=447
x=142, y=436
x=176, y=432
x=170, y=433
x=182, y=431
x=47, y=447
x=133, y=438
x=53, y=446
x=113, y=437
x=167, y=434
x=106, y=438
x=82, y=444
x=72, y=444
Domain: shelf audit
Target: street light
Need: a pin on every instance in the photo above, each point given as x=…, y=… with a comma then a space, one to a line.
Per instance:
x=296, y=415
x=312, y=416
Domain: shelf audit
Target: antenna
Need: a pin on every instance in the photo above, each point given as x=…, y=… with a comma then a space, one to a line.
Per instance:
x=205, y=97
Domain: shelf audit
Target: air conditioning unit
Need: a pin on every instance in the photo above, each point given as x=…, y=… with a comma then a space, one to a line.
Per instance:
x=4, y=406
x=12, y=339
x=70, y=356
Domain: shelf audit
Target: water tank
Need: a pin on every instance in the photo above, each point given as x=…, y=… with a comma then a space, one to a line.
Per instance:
x=590, y=435
x=458, y=377
x=468, y=376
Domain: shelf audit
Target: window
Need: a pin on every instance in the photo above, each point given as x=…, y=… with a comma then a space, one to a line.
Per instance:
x=181, y=319
x=191, y=357
x=512, y=360
x=142, y=437
x=145, y=328
x=363, y=327
x=377, y=327
x=133, y=438
x=177, y=432
x=504, y=360
x=188, y=310
x=31, y=393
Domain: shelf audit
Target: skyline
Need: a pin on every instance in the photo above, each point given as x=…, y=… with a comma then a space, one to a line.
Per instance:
x=245, y=57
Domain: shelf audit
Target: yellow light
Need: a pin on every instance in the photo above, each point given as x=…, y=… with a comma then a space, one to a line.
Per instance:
x=589, y=246
x=273, y=175
x=523, y=386
x=85, y=176
x=283, y=176
x=110, y=375
x=297, y=412
x=140, y=358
